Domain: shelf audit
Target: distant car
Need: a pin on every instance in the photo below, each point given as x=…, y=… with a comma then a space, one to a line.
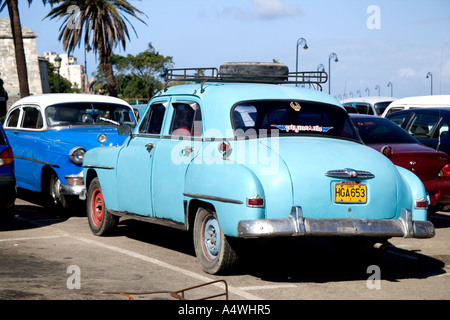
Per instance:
x=432, y=167
x=367, y=105
x=7, y=179
x=50, y=133
x=428, y=125
x=234, y=156
x=435, y=101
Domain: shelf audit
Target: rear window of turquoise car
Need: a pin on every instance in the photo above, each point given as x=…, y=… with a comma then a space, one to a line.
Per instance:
x=252, y=118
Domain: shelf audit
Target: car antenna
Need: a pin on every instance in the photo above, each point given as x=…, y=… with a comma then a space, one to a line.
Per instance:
x=439, y=134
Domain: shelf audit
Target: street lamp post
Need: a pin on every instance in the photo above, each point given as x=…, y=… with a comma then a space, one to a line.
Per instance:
x=430, y=75
x=58, y=66
x=392, y=88
x=378, y=87
x=300, y=41
x=368, y=91
x=332, y=55
x=358, y=92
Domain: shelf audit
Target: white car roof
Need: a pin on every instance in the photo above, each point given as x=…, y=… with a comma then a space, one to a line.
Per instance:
x=371, y=99
x=45, y=100
x=436, y=101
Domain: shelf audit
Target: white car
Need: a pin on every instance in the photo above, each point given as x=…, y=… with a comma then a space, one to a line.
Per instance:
x=368, y=105
x=418, y=102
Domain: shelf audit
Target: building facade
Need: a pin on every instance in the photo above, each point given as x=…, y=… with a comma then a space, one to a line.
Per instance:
x=36, y=65
x=8, y=67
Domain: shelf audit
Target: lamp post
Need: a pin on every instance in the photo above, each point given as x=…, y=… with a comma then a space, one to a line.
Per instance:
x=429, y=74
x=378, y=87
x=332, y=55
x=58, y=66
x=300, y=41
x=392, y=88
x=368, y=91
x=358, y=92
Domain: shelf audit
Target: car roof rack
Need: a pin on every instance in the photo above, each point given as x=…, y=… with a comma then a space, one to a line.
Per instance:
x=246, y=73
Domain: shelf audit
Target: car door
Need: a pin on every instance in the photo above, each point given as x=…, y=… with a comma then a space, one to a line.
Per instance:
x=24, y=127
x=422, y=126
x=135, y=164
x=174, y=153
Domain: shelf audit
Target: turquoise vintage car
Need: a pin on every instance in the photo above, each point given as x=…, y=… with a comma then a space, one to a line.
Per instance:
x=233, y=156
x=49, y=135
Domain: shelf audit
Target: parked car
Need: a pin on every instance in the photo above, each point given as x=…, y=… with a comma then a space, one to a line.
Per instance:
x=230, y=158
x=50, y=134
x=368, y=105
x=432, y=167
x=436, y=101
x=7, y=179
x=428, y=125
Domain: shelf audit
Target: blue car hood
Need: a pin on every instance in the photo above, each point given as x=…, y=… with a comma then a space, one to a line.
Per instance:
x=86, y=136
x=308, y=159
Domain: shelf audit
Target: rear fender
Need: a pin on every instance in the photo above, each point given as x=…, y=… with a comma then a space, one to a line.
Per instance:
x=411, y=189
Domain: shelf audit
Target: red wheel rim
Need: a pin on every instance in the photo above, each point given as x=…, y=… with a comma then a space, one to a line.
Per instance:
x=97, y=207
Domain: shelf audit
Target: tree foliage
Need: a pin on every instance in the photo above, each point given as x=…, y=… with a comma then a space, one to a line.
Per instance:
x=99, y=24
x=138, y=76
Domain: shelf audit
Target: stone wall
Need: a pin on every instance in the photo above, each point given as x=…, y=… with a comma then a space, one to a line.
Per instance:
x=8, y=69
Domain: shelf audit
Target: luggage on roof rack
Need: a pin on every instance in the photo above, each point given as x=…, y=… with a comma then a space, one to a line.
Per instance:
x=252, y=72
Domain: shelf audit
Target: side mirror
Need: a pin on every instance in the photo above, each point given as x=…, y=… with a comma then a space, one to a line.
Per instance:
x=124, y=130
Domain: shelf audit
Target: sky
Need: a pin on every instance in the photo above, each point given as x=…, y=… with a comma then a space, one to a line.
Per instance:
x=377, y=42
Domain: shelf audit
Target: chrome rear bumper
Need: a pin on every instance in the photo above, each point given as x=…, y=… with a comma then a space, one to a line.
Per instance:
x=296, y=225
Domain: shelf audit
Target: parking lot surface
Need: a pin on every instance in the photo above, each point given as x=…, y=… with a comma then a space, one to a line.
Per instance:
x=53, y=256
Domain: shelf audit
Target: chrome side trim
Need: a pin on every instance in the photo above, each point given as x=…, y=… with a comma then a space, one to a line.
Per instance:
x=350, y=173
x=160, y=221
x=296, y=225
x=37, y=161
x=213, y=198
x=87, y=166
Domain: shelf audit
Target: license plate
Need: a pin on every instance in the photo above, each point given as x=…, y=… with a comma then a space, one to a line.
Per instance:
x=350, y=193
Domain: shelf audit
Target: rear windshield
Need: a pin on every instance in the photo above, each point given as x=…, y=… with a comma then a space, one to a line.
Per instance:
x=299, y=118
x=376, y=130
x=88, y=113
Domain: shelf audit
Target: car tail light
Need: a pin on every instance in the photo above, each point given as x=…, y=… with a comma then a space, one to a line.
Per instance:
x=421, y=203
x=387, y=151
x=255, y=202
x=445, y=171
x=6, y=157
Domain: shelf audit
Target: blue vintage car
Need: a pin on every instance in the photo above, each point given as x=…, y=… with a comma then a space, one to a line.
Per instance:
x=230, y=157
x=7, y=179
x=50, y=134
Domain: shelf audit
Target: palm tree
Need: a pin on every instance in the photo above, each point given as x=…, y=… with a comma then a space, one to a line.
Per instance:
x=104, y=20
x=16, y=29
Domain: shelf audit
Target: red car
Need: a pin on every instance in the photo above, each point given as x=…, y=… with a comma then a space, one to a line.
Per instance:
x=431, y=166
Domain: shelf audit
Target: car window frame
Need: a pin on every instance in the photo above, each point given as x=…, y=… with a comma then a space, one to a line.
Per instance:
x=197, y=117
x=148, y=113
x=21, y=118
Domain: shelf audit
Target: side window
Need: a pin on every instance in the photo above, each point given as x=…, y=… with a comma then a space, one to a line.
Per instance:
x=13, y=119
x=442, y=130
x=398, y=119
x=422, y=125
x=32, y=118
x=153, y=120
x=187, y=119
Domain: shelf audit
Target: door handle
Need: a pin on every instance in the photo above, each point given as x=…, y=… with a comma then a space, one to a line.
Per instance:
x=149, y=147
x=188, y=150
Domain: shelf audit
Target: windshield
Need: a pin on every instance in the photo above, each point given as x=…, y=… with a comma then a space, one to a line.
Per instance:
x=299, y=118
x=375, y=130
x=381, y=106
x=88, y=113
